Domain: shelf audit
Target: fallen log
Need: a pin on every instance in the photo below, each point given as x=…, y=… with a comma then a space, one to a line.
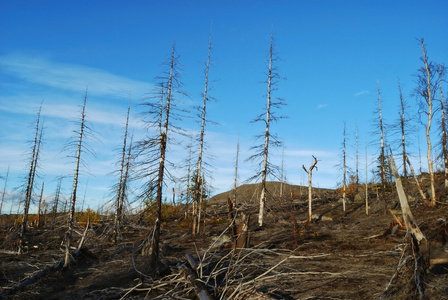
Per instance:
x=46, y=271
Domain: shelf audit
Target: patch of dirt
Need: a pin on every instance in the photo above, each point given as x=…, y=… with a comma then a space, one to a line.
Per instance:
x=339, y=255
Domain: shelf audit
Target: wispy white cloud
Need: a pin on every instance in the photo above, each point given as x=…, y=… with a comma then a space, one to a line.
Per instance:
x=361, y=93
x=69, y=76
x=322, y=106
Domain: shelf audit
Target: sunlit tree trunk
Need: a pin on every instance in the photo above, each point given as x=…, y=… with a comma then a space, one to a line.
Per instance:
x=428, y=127
x=310, y=188
x=266, y=140
x=442, y=110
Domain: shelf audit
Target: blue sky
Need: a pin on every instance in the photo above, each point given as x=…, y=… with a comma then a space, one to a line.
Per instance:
x=332, y=54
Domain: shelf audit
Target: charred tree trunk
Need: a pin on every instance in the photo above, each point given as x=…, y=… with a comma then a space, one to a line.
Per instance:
x=344, y=183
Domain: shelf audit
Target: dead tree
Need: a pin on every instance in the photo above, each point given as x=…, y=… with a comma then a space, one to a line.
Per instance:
x=39, y=205
x=310, y=187
x=382, y=155
x=367, y=186
x=402, y=127
x=4, y=190
x=235, y=182
x=418, y=243
x=120, y=181
x=441, y=71
x=124, y=183
x=30, y=183
x=152, y=150
x=83, y=129
x=262, y=150
x=56, y=200
x=344, y=166
x=197, y=193
x=426, y=87
x=357, y=160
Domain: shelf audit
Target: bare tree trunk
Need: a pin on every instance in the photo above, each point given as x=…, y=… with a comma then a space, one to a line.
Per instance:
x=4, y=191
x=39, y=206
x=310, y=188
x=71, y=216
x=235, y=183
x=428, y=127
x=402, y=126
x=120, y=181
x=442, y=110
x=201, y=140
x=30, y=184
x=266, y=140
x=187, y=196
x=163, y=143
x=357, y=161
x=344, y=183
x=281, y=175
x=382, y=157
x=198, y=228
x=367, y=186
x=56, y=200
x=125, y=180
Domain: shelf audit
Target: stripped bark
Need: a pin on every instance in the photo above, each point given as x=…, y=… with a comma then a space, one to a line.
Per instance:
x=310, y=188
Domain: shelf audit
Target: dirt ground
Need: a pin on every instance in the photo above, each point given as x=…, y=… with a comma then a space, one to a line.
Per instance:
x=339, y=255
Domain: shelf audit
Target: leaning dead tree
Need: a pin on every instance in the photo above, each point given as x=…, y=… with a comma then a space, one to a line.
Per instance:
x=310, y=187
x=197, y=186
x=30, y=182
x=80, y=147
x=418, y=248
x=118, y=210
x=425, y=90
x=262, y=150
